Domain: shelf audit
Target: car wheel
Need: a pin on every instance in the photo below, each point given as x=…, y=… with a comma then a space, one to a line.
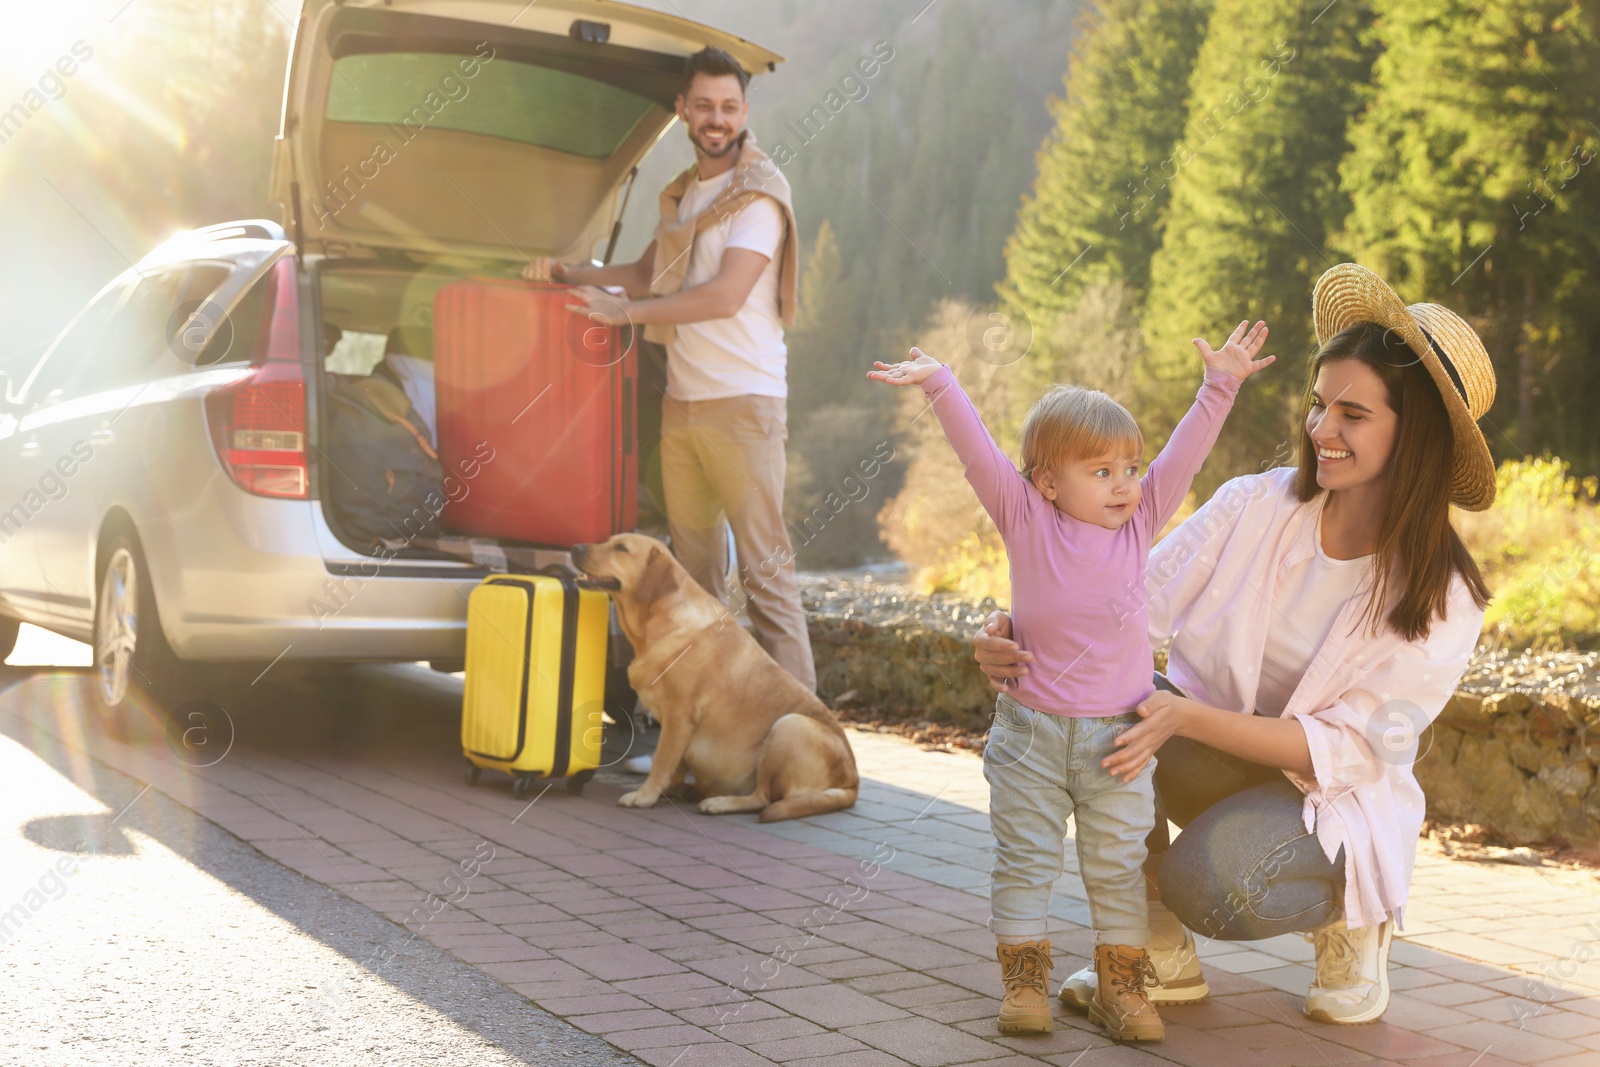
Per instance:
x=8, y=636
x=131, y=654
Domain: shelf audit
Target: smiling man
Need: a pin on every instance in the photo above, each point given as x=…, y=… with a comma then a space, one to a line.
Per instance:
x=717, y=286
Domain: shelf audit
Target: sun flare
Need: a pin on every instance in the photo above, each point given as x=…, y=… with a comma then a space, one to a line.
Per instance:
x=38, y=36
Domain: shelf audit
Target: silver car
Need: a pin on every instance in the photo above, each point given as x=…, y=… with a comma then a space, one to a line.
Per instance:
x=164, y=492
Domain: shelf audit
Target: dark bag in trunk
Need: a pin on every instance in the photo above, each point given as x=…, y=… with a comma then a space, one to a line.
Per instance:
x=383, y=475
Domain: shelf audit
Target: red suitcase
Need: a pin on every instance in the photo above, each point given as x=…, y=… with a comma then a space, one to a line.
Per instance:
x=553, y=394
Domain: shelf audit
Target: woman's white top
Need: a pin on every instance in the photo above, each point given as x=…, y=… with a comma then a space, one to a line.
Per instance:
x=1313, y=593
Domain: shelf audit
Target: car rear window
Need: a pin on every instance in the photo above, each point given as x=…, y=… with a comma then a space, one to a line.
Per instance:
x=505, y=98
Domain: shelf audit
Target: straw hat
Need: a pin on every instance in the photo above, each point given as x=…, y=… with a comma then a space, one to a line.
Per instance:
x=1349, y=294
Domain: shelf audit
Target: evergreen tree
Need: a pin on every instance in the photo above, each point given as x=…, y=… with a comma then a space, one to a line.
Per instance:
x=1254, y=200
x=1473, y=185
x=1094, y=213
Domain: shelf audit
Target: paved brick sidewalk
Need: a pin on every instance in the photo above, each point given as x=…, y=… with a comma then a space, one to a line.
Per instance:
x=693, y=941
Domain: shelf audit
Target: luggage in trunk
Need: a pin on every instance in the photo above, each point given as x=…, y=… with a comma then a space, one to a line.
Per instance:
x=384, y=482
x=552, y=394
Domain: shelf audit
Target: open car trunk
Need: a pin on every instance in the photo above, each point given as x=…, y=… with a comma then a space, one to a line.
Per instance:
x=480, y=128
x=426, y=141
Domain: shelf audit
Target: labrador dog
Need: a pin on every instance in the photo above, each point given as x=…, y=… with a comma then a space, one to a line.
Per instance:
x=753, y=736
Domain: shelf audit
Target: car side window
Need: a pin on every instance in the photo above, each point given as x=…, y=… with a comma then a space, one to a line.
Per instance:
x=145, y=334
x=242, y=336
x=130, y=348
x=182, y=352
x=63, y=365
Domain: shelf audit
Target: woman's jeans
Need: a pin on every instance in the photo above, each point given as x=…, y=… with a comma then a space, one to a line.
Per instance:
x=1244, y=867
x=1041, y=769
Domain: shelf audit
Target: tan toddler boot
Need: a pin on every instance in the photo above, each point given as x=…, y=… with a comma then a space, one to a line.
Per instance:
x=1025, y=969
x=1121, y=1005
x=1172, y=954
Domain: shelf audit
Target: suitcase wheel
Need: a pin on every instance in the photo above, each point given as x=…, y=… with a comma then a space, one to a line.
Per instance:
x=474, y=772
x=576, y=783
x=521, y=786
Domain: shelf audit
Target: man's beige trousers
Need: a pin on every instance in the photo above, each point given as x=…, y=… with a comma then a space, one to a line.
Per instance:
x=725, y=458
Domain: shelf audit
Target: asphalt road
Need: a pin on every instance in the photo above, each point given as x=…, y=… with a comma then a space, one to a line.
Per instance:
x=133, y=932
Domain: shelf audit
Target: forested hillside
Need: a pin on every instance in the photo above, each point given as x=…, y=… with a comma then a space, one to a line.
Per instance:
x=916, y=172
x=1443, y=143
x=1208, y=161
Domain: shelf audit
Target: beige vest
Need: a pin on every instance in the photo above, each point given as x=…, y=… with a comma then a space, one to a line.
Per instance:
x=754, y=175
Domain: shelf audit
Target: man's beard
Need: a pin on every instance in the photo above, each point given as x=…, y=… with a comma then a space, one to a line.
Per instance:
x=729, y=143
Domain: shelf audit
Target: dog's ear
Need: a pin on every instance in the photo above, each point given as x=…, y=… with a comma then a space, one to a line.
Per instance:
x=658, y=579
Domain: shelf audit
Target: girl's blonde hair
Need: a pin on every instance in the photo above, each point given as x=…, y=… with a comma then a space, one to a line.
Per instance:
x=1070, y=423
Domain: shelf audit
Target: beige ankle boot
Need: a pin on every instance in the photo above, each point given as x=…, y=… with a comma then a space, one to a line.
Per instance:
x=1352, y=983
x=1025, y=969
x=1121, y=1005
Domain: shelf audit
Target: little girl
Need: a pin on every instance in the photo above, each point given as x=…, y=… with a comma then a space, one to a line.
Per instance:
x=1077, y=521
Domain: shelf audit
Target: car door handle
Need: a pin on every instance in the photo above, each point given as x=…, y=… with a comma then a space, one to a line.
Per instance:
x=29, y=449
x=102, y=437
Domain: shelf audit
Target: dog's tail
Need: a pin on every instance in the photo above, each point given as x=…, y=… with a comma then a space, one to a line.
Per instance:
x=799, y=805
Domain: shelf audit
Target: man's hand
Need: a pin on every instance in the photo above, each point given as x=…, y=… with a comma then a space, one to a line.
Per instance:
x=911, y=372
x=544, y=269
x=998, y=656
x=600, y=306
x=1162, y=714
x=1237, y=354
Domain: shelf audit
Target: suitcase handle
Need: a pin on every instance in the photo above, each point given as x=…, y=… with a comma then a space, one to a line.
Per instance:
x=567, y=573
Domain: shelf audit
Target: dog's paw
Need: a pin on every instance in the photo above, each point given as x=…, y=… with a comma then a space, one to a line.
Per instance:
x=730, y=805
x=639, y=798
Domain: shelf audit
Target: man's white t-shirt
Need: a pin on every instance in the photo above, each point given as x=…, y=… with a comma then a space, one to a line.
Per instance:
x=743, y=354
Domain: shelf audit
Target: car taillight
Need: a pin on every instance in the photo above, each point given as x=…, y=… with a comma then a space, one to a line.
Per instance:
x=258, y=422
x=258, y=425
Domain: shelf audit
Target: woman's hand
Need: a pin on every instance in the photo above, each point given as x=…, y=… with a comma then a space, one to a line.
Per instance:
x=1237, y=354
x=601, y=307
x=1162, y=714
x=911, y=372
x=998, y=656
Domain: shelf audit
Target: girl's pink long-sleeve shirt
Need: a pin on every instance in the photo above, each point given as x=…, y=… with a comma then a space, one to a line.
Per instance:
x=1077, y=589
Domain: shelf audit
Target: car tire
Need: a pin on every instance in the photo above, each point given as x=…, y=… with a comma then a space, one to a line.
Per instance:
x=131, y=654
x=8, y=636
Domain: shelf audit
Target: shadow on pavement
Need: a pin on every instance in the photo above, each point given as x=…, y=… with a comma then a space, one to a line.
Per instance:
x=346, y=711
x=79, y=834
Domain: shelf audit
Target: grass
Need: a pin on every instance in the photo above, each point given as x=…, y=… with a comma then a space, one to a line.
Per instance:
x=1537, y=549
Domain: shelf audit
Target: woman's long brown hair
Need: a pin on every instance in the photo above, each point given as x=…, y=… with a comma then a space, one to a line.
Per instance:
x=1418, y=551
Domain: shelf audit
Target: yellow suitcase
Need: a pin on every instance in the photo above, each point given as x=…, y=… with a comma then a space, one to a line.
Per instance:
x=536, y=671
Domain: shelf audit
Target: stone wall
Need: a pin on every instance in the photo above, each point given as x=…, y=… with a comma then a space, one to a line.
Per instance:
x=901, y=653
x=1516, y=750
